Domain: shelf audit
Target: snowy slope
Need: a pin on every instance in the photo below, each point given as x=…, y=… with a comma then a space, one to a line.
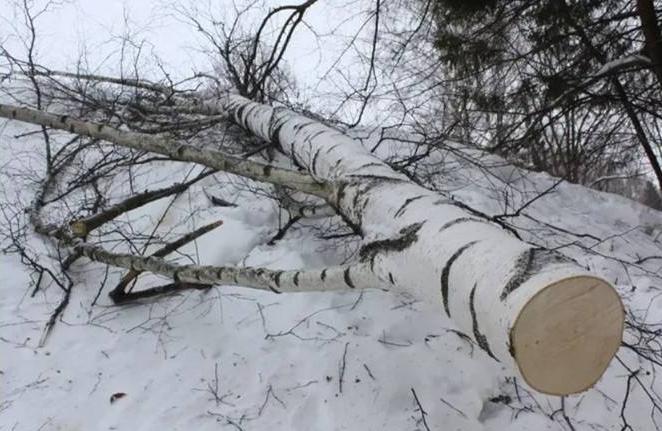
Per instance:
x=235, y=358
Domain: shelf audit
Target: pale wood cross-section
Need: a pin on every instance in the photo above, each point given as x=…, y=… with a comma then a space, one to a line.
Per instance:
x=566, y=335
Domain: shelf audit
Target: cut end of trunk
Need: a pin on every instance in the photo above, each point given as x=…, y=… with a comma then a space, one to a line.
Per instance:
x=567, y=334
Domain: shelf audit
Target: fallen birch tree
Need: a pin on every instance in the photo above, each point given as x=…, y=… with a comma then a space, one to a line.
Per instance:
x=529, y=308
x=535, y=311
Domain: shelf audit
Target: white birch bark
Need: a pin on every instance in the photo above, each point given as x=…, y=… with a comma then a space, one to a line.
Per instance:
x=529, y=308
x=162, y=145
x=326, y=279
x=570, y=321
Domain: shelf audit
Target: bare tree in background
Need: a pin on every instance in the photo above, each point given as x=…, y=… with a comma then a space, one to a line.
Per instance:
x=563, y=87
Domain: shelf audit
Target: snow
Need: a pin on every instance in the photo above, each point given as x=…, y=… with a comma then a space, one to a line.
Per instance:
x=235, y=358
x=278, y=358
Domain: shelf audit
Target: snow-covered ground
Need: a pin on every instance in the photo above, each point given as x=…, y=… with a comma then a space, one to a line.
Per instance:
x=236, y=358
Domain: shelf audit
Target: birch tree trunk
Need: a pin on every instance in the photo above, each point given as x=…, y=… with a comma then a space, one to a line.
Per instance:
x=529, y=308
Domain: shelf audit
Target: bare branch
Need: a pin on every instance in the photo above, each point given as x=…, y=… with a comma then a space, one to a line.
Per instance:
x=214, y=159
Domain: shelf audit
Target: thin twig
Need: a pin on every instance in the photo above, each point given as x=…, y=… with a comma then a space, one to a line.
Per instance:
x=421, y=410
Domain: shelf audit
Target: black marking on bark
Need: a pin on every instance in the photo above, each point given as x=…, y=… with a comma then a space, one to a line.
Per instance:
x=277, y=278
x=246, y=114
x=274, y=134
x=313, y=167
x=252, y=107
x=484, y=216
x=390, y=277
x=340, y=196
x=331, y=148
x=367, y=165
x=445, y=274
x=521, y=272
x=315, y=135
x=365, y=204
x=443, y=202
x=356, y=228
x=219, y=273
x=372, y=183
x=239, y=114
x=71, y=128
x=461, y=220
x=239, y=103
x=63, y=118
x=13, y=113
x=336, y=164
x=381, y=178
x=357, y=196
x=529, y=263
x=348, y=278
x=299, y=127
x=296, y=160
x=323, y=274
x=99, y=127
x=511, y=346
x=296, y=278
x=175, y=276
x=402, y=209
x=364, y=188
x=480, y=338
x=341, y=192
x=408, y=236
x=233, y=104
x=266, y=170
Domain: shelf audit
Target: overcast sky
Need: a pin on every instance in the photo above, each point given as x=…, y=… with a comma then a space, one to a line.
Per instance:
x=96, y=26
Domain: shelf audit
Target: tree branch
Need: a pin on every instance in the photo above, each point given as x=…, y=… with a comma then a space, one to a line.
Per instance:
x=82, y=227
x=163, y=145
